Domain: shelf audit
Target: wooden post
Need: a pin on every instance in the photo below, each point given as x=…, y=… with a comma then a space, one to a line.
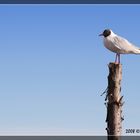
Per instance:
x=114, y=102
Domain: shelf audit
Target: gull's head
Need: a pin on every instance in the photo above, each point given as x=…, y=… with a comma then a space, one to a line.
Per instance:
x=106, y=33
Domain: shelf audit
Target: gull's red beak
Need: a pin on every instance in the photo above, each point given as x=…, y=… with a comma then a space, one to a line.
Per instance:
x=101, y=34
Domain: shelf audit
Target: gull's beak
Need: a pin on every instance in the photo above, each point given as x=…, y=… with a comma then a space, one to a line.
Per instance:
x=101, y=34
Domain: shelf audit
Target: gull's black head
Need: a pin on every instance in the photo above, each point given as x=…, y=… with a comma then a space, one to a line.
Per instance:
x=106, y=33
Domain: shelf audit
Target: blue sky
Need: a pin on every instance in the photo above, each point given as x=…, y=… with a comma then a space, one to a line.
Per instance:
x=53, y=68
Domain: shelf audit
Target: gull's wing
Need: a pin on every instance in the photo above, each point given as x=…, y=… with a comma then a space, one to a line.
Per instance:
x=124, y=44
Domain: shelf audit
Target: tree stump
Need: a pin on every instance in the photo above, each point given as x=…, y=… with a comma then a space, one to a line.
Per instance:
x=114, y=102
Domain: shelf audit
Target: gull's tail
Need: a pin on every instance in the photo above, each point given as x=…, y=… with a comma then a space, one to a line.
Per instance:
x=136, y=51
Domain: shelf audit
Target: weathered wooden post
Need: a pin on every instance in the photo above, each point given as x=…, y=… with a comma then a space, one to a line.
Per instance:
x=114, y=102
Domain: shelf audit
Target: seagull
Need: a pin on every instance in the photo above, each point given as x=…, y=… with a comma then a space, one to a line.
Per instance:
x=118, y=44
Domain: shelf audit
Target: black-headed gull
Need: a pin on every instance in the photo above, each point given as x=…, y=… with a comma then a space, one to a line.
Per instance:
x=118, y=45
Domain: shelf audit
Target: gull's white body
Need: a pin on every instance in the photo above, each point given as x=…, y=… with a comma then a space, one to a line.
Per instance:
x=120, y=45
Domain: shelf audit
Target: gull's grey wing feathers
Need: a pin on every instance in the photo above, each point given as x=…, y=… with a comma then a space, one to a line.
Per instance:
x=123, y=44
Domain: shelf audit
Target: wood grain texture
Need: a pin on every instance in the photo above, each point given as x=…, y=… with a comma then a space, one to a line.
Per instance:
x=114, y=102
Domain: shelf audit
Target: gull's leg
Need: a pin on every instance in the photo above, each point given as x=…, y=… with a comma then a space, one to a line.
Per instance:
x=116, y=58
x=119, y=58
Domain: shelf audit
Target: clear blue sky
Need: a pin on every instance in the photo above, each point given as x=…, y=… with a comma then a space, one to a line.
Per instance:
x=53, y=68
